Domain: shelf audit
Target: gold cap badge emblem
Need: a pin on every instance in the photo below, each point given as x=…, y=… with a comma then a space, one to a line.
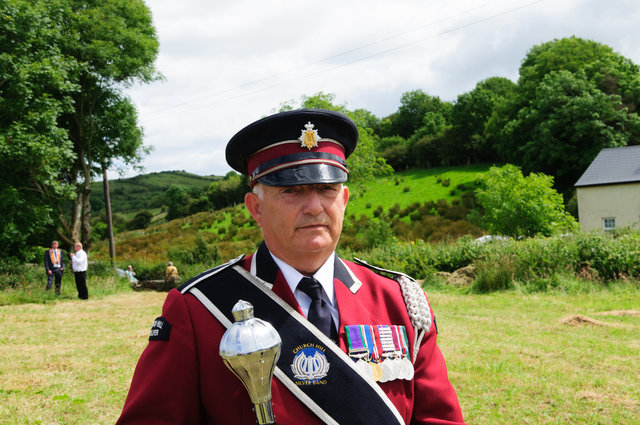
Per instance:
x=309, y=137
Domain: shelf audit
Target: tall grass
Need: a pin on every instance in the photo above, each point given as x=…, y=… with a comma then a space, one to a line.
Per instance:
x=534, y=262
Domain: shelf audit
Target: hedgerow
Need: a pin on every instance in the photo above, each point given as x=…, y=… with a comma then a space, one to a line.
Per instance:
x=537, y=261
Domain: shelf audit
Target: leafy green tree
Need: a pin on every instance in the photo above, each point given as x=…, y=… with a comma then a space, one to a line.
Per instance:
x=228, y=191
x=514, y=205
x=414, y=107
x=574, y=98
x=470, y=115
x=611, y=72
x=63, y=65
x=34, y=92
x=565, y=125
x=114, y=44
x=176, y=201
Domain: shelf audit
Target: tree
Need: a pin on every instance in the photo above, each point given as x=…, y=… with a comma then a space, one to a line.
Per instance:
x=114, y=45
x=414, y=106
x=565, y=125
x=472, y=111
x=229, y=191
x=574, y=98
x=514, y=205
x=34, y=92
x=176, y=200
x=611, y=72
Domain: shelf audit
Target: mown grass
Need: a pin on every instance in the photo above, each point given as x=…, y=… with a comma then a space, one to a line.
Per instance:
x=508, y=354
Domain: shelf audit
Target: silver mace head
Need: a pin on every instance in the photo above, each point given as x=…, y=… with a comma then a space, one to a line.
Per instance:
x=250, y=348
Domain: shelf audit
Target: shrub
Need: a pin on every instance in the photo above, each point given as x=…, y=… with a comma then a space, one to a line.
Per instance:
x=378, y=234
x=446, y=182
x=494, y=275
x=415, y=216
x=406, y=189
x=140, y=221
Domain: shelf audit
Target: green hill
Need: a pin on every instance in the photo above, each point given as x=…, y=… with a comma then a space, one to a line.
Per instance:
x=426, y=204
x=419, y=185
x=144, y=192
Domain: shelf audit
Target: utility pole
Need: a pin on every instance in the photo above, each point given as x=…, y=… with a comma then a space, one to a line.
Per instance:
x=107, y=203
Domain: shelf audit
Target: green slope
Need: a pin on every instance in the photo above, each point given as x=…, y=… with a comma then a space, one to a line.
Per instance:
x=419, y=185
x=144, y=192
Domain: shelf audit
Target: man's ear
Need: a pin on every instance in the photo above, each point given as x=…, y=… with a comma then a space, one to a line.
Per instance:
x=345, y=196
x=254, y=205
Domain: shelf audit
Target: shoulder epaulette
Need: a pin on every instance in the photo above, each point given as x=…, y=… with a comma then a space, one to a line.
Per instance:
x=415, y=300
x=380, y=270
x=205, y=275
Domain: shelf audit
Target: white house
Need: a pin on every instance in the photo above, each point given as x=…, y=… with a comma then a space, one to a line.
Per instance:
x=609, y=190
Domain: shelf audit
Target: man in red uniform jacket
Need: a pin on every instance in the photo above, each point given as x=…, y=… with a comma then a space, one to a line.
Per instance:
x=296, y=165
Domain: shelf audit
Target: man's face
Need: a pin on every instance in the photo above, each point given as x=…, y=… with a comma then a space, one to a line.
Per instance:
x=77, y=247
x=303, y=220
x=54, y=245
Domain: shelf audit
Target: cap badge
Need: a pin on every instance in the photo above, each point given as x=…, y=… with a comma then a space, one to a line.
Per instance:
x=309, y=137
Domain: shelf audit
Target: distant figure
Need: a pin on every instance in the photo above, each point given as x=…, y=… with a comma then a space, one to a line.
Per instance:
x=54, y=265
x=79, y=262
x=131, y=274
x=172, y=273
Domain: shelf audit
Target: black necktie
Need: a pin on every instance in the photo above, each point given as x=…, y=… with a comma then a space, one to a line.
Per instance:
x=319, y=311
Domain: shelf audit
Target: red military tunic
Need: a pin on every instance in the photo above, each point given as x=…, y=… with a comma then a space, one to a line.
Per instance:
x=183, y=380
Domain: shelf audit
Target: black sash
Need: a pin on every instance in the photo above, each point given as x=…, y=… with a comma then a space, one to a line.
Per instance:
x=343, y=396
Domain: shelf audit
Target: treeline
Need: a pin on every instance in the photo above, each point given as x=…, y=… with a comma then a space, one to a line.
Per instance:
x=573, y=98
x=145, y=191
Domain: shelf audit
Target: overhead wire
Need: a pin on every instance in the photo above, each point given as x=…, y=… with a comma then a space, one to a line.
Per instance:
x=333, y=68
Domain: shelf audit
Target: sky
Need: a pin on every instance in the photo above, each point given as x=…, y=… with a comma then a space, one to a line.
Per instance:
x=228, y=63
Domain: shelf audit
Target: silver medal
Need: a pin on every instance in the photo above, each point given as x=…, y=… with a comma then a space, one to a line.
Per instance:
x=363, y=367
x=408, y=369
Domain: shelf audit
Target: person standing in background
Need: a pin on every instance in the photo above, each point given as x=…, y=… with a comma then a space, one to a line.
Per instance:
x=79, y=263
x=54, y=265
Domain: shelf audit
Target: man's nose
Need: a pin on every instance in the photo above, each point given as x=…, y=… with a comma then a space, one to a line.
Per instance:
x=312, y=202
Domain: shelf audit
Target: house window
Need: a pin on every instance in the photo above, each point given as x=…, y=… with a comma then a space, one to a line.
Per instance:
x=609, y=224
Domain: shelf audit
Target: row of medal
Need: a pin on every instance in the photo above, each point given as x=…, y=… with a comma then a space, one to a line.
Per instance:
x=380, y=352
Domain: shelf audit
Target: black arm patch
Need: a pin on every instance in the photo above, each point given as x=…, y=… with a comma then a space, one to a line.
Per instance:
x=160, y=330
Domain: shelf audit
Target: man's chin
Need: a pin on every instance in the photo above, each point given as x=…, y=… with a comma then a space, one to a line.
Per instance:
x=315, y=245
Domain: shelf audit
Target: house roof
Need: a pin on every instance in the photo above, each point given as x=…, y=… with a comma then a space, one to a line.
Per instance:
x=612, y=166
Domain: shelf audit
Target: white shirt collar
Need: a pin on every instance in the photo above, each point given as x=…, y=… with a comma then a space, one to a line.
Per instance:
x=324, y=275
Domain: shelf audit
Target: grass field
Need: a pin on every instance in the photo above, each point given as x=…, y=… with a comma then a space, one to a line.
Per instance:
x=509, y=355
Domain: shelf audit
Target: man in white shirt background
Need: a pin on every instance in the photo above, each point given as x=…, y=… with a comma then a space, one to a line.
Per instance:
x=79, y=262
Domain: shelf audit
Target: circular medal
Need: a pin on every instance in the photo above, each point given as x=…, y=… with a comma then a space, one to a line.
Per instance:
x=402, y=369
x=387, y=371
x=363, y=368
x=396, y=369
x=376, y=371
x=408, y=367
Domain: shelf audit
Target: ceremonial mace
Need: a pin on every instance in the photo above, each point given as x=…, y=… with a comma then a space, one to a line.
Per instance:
x=250, y=348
